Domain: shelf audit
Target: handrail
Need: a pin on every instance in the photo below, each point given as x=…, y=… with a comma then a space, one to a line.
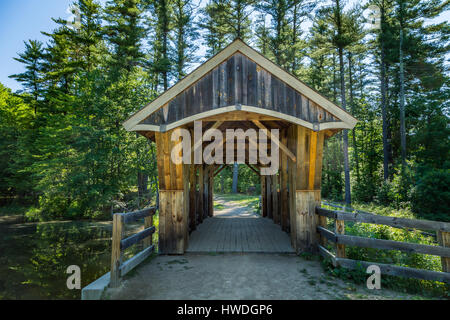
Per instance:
x=341, y=240
x=385, y=220
x=119, y=268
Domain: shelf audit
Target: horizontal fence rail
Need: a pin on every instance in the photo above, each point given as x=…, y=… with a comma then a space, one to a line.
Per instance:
x=119, y=268
x=341, y=240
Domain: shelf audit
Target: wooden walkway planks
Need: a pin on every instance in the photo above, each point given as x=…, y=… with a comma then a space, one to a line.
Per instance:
x=238, y=230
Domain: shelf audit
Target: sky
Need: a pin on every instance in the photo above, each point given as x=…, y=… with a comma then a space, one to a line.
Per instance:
x=21, y=20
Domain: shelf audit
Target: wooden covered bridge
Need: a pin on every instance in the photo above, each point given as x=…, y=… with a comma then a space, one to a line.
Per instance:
x=238, y=88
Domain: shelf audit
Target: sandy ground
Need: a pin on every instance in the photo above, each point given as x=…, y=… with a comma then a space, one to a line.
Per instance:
x=239, y=276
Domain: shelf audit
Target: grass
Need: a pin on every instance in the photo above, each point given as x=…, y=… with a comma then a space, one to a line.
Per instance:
x=244, y=200
x=219, y=206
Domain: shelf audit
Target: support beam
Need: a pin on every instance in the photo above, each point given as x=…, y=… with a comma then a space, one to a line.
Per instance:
x=308, y=147
x=263, y=196
x=201, y=192
x=173, y=207
x=275, y=140
x=284, y=186
x=253, y=169
x=197, y=144
x=220, y=170
x=275, y=211
x=192, y=202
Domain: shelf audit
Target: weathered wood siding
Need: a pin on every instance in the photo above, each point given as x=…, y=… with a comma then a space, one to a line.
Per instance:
x=239, y=80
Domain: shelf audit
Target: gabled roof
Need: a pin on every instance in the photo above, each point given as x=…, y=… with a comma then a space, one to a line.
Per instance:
x=341, y=119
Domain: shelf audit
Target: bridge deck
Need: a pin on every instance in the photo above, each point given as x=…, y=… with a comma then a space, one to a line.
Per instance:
x=237, y=229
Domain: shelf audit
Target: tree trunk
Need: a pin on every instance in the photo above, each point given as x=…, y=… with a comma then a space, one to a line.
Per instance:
x=348, y=198
x=402, y=94
x=384, y=101
x=352, y=108
x=235, y=178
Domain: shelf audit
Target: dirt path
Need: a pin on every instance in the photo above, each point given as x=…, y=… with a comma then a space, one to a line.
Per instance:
x=239, y=275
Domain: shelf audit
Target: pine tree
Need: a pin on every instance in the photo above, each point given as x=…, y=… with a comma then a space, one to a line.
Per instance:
x=185, y=35
x=214, y=24
x=31, y=79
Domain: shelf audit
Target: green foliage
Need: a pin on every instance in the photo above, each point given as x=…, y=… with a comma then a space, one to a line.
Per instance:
x=431, y=195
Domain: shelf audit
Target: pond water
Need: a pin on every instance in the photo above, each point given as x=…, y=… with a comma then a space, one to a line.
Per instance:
x=34, y=256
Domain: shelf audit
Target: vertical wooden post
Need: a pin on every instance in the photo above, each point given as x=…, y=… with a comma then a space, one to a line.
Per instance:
x=201, y=192
x=275, y=213
x=148, y=222
x=205, y=191
x=263, y=197
x=173, y=208
x=284, y=187
x=340, y=229
x=323, y=223
x=309, y=151
x=269, y=189
x=116, y=255
x=211, y=191
x=444, y=240
x=292, y=184
x=192, y=204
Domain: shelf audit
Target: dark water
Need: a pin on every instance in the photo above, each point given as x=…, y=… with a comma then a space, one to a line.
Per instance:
x=34, y=257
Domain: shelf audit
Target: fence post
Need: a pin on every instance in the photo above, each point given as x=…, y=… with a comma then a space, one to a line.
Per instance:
x=444, y=241
x=323, y=224
x=148, y=222
x=116, y=255
x=340, y=229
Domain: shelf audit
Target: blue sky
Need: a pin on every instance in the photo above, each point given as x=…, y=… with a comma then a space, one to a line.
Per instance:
x=21, y=20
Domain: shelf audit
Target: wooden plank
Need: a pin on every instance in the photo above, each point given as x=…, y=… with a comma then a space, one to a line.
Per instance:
x=327, y=255
x=444, y=241
x=128, y=242
x=133, y=262
x=275, y=140
x=136, y=215
x=306, y=224
x=399, y=271
x=116, y=253
x=175, y=226
x=390, y=221
x=326, y=213
x=392, y=245
x=327, y=234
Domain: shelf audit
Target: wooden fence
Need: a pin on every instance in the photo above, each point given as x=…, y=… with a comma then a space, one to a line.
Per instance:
x=341, y=240
x=119, y=268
